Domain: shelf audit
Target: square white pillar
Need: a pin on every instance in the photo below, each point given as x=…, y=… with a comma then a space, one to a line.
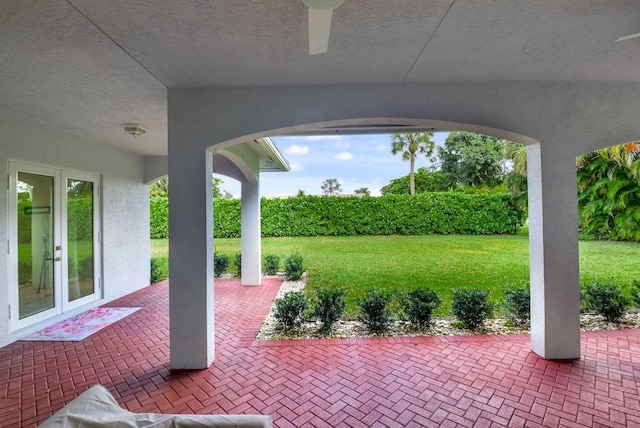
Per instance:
x=553, y=244
x=250, y=233
x=191, y=310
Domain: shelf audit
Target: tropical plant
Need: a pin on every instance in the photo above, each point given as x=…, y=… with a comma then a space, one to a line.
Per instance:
x=517, y=154
x=410, y=145
x=362, y=191
x=609, y=192
x=473, y=159
x=424, y=181
x=331, y=186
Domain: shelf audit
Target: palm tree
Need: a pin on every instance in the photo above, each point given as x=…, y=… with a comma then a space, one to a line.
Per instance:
x=608, y=192
x=331, y=186
x=410, y=145
x=518, y=155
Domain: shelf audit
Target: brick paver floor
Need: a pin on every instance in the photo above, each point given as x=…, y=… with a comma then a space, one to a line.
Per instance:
x=387, y=382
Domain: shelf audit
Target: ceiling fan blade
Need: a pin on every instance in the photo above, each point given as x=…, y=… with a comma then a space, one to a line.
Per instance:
x=319, y=29
x=630, y=36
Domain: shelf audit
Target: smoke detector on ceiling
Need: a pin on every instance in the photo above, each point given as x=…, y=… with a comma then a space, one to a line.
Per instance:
x=135, y=130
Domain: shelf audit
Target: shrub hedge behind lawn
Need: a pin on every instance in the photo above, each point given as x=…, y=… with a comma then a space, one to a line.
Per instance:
x=423, y=214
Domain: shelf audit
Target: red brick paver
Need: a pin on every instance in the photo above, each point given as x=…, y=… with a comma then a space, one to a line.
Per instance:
x=387, y=382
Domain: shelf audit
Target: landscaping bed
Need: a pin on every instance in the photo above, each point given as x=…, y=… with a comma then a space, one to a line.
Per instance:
x=440, y=326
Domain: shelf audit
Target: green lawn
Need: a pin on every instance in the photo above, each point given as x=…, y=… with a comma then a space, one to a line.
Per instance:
x=440, y=262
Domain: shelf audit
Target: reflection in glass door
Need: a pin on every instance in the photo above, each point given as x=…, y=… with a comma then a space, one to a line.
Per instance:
x=35, y=209
x=80, y=227
x=54, y=242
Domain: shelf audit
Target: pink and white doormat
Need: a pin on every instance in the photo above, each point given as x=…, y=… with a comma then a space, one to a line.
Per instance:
x=82, y=325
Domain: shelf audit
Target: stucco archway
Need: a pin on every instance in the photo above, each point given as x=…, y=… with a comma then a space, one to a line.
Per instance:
x=556, y=120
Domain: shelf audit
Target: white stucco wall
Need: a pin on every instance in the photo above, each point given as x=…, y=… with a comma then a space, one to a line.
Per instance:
x=125, y=205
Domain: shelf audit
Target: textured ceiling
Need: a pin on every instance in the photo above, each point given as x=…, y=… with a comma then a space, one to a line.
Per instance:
x=90, y=66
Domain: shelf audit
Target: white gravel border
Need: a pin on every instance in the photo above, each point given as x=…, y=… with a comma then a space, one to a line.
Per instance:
x=271, y=329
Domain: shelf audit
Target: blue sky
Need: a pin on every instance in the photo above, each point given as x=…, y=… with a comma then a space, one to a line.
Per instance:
x=354, y=160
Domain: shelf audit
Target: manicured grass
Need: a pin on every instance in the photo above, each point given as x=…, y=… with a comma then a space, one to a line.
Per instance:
x=399, y=263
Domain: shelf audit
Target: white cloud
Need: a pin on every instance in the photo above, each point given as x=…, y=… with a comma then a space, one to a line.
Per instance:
x=324, y=138
x=296, y=166
x=296, y=150
x=381, y=148
x=343, y=156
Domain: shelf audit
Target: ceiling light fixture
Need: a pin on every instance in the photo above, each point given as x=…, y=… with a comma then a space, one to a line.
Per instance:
x=320, y=13
x=135, y=130
x=629, y=37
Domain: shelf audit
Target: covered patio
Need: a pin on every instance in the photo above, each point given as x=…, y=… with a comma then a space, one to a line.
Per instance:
x=107, y=96
x=386, y=382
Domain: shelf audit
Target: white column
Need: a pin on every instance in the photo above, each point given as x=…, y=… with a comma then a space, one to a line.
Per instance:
x=191, y=310
x=553, y=244
x=250, y=231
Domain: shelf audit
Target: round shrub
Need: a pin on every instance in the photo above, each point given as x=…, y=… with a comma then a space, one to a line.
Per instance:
x=604, y=299
x=373, y=310
x=635, y=292
x=419, y=304
x=471, y=307
x=159, y=269
x=220, y=264
x=237, y=261
x=328, y=306
x=517, y=304
x=293, y=267
x=271, y=264
x=289, y=309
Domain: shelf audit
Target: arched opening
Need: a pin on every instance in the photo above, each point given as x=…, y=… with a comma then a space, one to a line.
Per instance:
x=553, y=251
x=340, y=151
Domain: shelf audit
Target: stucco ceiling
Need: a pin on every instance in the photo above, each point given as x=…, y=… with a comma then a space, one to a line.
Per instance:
x=91, y=66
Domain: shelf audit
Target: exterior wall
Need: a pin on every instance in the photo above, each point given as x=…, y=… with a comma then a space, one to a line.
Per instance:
x=125, y=206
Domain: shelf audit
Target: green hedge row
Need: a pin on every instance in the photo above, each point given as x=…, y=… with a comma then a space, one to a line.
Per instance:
x=159, y=216
x=422, y=214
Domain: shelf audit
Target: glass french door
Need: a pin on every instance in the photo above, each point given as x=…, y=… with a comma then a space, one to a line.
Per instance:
x=54, y=242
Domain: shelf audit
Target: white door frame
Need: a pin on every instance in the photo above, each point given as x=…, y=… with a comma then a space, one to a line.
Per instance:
x=60, y=254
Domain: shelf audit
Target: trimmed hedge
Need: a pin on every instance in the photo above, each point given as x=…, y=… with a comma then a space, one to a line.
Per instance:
x=159, y=213
x=422, y=214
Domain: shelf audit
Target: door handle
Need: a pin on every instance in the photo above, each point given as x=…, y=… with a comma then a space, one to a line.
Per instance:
x=57, y=259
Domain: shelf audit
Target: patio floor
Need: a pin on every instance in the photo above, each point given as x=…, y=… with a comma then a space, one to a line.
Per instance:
x=419, y=381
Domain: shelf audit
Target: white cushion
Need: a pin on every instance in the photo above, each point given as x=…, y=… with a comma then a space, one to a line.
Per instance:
x=96, y=407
